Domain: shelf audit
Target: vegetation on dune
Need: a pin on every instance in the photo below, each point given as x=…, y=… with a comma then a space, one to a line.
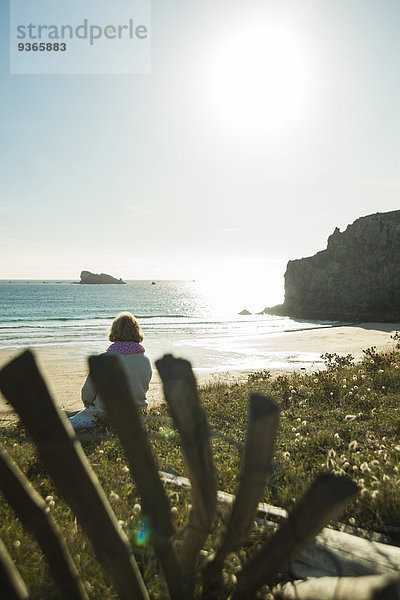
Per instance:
x=345, y=418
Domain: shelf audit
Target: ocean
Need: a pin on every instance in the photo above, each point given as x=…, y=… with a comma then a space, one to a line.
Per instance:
x=179, y=317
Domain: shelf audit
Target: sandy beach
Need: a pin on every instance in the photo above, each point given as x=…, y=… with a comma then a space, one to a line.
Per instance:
x=65, y=368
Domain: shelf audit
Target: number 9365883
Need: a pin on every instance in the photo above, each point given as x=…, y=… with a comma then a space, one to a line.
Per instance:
x=42, y=47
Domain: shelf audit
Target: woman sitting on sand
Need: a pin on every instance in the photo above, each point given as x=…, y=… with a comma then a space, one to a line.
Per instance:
x=126, y=336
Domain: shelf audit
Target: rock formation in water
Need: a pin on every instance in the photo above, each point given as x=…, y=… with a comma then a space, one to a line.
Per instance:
x=357, y=278
x=92, y=278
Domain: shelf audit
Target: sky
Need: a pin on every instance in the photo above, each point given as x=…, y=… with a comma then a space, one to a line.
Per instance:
x=261, y=127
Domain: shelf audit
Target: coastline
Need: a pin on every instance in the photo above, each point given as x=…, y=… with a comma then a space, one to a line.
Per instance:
x=65, y=368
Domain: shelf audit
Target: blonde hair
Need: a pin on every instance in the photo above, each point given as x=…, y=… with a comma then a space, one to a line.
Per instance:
x=125, y=328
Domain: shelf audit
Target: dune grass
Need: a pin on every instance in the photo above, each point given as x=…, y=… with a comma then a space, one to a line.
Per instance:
x=345, y=418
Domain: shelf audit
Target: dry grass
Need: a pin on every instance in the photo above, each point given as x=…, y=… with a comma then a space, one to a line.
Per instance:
x=345, y=418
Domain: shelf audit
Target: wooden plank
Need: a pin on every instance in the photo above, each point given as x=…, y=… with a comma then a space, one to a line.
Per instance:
x=321, y=503
x=332, y=552
x=260, y=442
x=338, y=553
x=181, y=393
x=111, y=383
x=12, y=586
x=33, y=513
x=65, y=461
x=370, y=587
x=275, y=512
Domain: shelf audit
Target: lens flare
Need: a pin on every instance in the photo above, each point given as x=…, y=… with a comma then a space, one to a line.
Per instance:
x=142, y=533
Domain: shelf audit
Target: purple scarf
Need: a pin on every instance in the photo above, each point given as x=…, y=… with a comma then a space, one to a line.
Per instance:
x=126, y=348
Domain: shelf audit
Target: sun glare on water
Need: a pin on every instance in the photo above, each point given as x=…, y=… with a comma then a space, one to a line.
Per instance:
x=231, y=292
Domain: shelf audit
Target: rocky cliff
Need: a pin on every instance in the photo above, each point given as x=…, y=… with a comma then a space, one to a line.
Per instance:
x=357, y=277
x=91, y=278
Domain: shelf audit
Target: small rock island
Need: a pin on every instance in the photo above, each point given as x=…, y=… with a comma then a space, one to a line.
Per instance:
x=93, y=278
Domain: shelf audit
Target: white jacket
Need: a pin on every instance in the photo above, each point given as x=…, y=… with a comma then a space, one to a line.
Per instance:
x=138, y=370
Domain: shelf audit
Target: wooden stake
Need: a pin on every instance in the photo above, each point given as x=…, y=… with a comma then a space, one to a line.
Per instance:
x=260, y=441
x=321, y=503
x=33, y=513
x=111, y=383
x=12, y=586
x=180, y=391
x=65, y=461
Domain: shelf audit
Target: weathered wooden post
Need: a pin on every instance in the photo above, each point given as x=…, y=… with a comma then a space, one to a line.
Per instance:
x=262, y=428
x=64, y=459
x=181, y=393
x=12, y=585
x=33, y=513
x=321, y=503
x=111, y=383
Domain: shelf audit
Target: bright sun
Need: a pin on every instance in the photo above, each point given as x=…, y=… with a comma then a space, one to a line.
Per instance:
x=261, y=77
